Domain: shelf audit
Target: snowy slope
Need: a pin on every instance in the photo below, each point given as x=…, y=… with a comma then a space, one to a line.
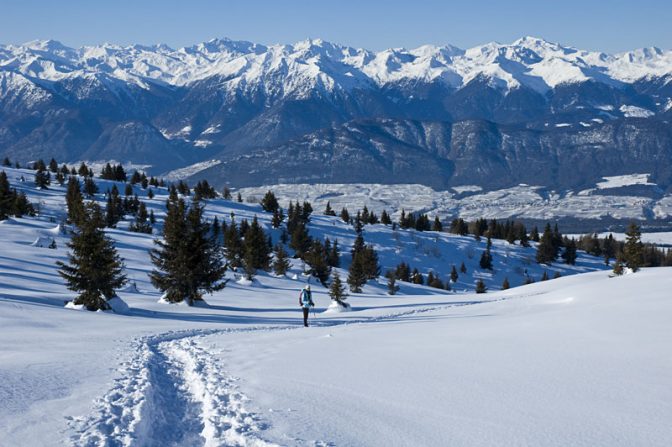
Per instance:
x=424, y=367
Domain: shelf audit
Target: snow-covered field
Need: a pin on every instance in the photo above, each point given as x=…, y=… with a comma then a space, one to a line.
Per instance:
x=523, y=201
x=580, y=360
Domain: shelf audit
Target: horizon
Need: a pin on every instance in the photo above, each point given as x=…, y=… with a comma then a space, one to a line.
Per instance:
x=375, y=26
x=316, y=39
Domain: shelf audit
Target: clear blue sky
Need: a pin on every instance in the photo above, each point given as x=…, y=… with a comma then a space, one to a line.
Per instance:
x=607, y=25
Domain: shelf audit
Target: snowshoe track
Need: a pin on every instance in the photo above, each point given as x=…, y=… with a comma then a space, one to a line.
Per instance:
x=173, y=392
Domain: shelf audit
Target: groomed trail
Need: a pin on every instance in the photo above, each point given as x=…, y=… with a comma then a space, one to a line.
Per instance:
x=175, y=392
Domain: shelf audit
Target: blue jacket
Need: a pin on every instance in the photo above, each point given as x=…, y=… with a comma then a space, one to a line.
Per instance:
x=306, y=299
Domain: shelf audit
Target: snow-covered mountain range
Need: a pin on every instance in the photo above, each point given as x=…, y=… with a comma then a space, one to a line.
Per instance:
x=495, y=115
x=295, y=70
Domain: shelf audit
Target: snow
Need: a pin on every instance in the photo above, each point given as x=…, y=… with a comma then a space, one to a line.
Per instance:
x=293, y=70
x=522, y=201
x=619, y=181
x=636, y=112
x=187, y=171
x=579, y=360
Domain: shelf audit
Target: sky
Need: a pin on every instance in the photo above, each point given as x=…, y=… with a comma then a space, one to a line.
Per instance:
x=606, y=25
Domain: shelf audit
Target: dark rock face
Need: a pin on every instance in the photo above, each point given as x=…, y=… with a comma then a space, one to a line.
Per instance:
x=425, y=133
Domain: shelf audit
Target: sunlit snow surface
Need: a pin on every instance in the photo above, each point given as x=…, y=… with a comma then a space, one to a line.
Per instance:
x=581, y=360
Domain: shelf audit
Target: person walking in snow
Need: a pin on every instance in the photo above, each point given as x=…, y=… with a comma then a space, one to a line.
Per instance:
x=306, y=302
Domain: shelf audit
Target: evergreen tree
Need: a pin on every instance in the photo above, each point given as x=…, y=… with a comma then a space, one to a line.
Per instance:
x=328, y=211
x=270, y=203
x=94, y=268
x=392, y=287
x=544, y=277
x=437, y=225
x=486, y=260
x=90, y=187
x=188, y=262
x=633, y=249
x=300, y=240
x=150, y=194
x=546, y=250
x=316, y=258
x=403, y=272
x=233, y=245
x=480, y=287
x=505, y=284
x=345, y=215
x=333, y=255
x=416, y=277
x=6, y=162
x=434, y=281
x=74, y=202
x=463, y=268
x=356, y=275
x=453, y=274
x=281, y=262
x=534, y=234
x=226, y=193
x=337, y=290
x=569, y=255
x=141, y=224
x=385, y=218
x=6, y=196
x=277, y=219
x=42, y=179
x=256, y=253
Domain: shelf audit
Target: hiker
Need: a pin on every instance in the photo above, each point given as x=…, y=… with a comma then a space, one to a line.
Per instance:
x=306, y=302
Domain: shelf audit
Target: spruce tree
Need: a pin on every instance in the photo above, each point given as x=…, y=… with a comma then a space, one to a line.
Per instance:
x=356, y=275
x=141, y=223
x=437, y=225
x=337, y=290
x=6, y=196
x=392, y=287
x=463, y=268
x=505, y=284
x=328, y=211
x=74, y=202
x=453, y=274
x=546, y=250
x=270, y=203
x=480, y=287
x=633, y=250
x=317, y=259
x=94, y=268
x=233, y=245
x=281, y=262
x=188, y=262
x=256, y=253
x=345, y=215
x=569, y=255
x=300, y=240
x=486, y=260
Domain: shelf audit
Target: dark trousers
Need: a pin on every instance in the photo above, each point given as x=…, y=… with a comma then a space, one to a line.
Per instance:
x=305, y=316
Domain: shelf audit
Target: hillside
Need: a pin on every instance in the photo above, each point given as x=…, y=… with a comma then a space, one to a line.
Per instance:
x=578, y=360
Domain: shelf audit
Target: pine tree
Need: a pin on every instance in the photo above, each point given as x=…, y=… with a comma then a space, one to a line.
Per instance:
x=277, y=219
x=356, y=275
x=345, y=215
x=437, y=225
x=480, y=287
x=546, y=250
x=544, y=277
x=486, y=260
x=633, y=249
x=337, y=290
x=316, y=258
x=141, y=224
x=150, y=194
x=188, y=262
x=403, y=272
x=74, y=202
x=281, y=262
x=42, y=179
x=6, y=196
x=256, y=253
x=463, y=268
x=6, y=162
x=233, y=245
x=534, y=234
x=392, y=287
x=333, y=255
x=328, y=211
x=453, y=274
x=569, y=255
x=270, y=203
x=300, y=240
x=505, y=284
x=94, y=268
x=416, y=277
x=434, y=281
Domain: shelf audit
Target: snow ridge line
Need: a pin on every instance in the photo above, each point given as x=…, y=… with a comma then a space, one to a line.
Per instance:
x=171, y=392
